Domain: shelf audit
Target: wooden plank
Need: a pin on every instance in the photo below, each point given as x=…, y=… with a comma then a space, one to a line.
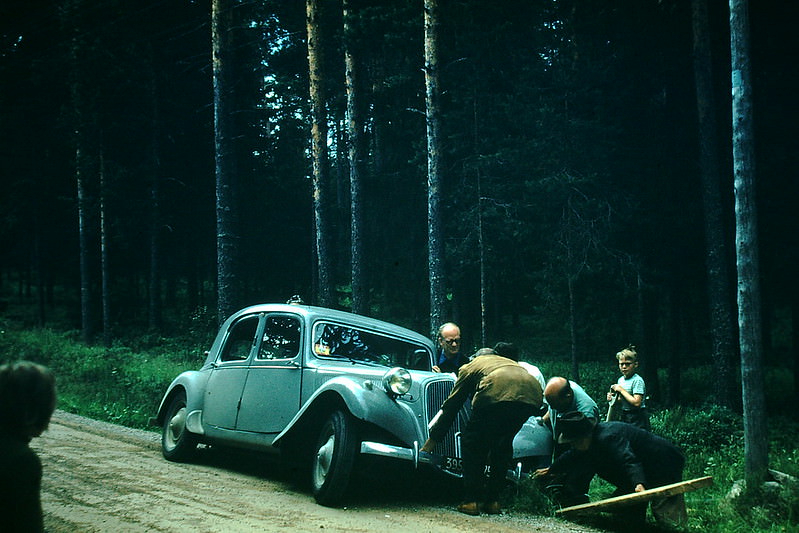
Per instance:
x=638, y=497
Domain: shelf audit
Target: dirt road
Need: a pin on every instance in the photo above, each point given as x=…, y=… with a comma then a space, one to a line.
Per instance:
x=100, y=477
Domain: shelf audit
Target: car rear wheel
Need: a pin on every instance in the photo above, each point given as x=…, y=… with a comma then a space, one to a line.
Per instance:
x=177, y=443
x=334, y=458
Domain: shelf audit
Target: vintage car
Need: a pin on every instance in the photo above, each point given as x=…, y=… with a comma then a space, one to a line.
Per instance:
x=321, y=388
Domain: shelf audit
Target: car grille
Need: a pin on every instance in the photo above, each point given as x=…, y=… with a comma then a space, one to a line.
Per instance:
x=436, y=393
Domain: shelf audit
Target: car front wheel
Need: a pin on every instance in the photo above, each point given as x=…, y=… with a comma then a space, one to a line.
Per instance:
x=177, y=443
x=334, y=458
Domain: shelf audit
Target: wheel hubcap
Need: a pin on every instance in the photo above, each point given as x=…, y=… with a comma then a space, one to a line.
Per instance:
x=176, y=426
x=324, y=456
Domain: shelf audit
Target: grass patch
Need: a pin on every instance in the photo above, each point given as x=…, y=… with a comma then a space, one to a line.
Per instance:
x=114, y=384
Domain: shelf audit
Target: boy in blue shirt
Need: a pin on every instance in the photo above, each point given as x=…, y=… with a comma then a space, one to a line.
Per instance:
x=630, y=390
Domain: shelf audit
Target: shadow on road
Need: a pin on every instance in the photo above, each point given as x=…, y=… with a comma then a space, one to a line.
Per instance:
x=376, y=481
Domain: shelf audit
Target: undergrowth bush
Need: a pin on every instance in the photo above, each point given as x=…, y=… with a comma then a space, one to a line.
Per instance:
x=710, y=433
x=113, y=384
x=528, y=497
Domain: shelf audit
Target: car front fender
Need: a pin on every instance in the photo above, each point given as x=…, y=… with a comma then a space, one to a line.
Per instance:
x=533, y=440
x=366, y=400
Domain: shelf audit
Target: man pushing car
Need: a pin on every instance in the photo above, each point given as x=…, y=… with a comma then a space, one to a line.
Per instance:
x=504, y=396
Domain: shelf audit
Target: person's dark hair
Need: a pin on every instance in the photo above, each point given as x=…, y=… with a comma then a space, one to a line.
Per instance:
x=27, y=398
x=507, y=349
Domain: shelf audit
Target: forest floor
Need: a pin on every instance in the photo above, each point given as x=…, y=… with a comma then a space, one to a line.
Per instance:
x=102, y=477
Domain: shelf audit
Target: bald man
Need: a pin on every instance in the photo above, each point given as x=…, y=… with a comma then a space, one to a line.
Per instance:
x=450, y=357
x=564, y=396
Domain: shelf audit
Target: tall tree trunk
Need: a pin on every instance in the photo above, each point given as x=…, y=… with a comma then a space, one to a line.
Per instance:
x=37, y=261
x=481, y=246
x=795, y=337
x=227, y=237
x=38, y=267
x=435, y=249
x=750, y=334
x=675, y=347
x=647, y=312
x=575, y=372
x=154, y=301
x=359, y=304
x=83, y=247
x=319, y=151
x=105, y=297
x=480, y=232
x=67, y=14
x=722, y=315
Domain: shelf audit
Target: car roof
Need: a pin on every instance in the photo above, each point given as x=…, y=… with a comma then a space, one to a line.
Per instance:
x=314, y=313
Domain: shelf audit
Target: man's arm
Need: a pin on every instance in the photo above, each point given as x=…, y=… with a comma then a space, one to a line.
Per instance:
x=464, y=386
x=633, y=399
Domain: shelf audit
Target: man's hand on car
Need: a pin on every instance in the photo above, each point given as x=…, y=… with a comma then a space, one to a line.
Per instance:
x=428, y=445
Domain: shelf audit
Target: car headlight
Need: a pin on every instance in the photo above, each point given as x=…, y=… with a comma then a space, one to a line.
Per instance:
x=397, y=381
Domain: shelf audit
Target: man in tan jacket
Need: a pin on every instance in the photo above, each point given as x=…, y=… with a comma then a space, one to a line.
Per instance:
x=504, y=396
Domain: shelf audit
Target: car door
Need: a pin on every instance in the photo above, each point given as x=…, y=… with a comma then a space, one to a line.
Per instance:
x=227, y=379
x=271, y=395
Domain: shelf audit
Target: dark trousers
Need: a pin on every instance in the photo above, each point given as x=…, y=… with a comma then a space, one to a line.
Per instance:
x=637, y=417
x=488, y=440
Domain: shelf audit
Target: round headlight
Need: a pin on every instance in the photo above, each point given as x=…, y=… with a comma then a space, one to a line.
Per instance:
x=397, y=381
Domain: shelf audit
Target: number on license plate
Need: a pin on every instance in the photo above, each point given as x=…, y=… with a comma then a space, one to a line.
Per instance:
x=453, y=464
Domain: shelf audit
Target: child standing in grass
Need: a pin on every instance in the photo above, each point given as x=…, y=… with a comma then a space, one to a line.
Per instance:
x=27, y=400
x=630, y=390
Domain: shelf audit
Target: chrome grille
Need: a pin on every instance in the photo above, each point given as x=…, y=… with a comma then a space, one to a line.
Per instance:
x=435, y=394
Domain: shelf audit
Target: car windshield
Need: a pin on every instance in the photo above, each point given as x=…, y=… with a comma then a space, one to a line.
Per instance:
x=338, y=341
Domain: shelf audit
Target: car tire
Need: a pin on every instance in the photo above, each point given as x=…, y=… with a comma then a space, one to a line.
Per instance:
x=177, y=443
x=333, y=459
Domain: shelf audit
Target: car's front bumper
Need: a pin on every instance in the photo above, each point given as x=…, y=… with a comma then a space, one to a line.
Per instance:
x=419, y=457
x=398, y=452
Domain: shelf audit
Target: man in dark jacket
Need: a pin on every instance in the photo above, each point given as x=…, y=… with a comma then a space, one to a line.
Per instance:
x=504, y=396
x=624, y=455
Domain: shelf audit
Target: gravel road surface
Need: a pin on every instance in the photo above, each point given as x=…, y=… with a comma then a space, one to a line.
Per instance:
x=99, y=477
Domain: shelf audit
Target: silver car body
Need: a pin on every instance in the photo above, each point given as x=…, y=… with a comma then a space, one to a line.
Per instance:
x=278, y=386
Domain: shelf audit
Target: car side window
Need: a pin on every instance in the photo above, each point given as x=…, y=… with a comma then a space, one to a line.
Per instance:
x=281, y=339
x=240, y=339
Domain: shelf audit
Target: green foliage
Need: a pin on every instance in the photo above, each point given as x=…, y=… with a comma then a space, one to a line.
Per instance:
x=117, y=384
x=714, y=434
x=529, y=498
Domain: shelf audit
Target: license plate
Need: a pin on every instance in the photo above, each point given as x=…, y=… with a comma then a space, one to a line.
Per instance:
x=453, y=464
